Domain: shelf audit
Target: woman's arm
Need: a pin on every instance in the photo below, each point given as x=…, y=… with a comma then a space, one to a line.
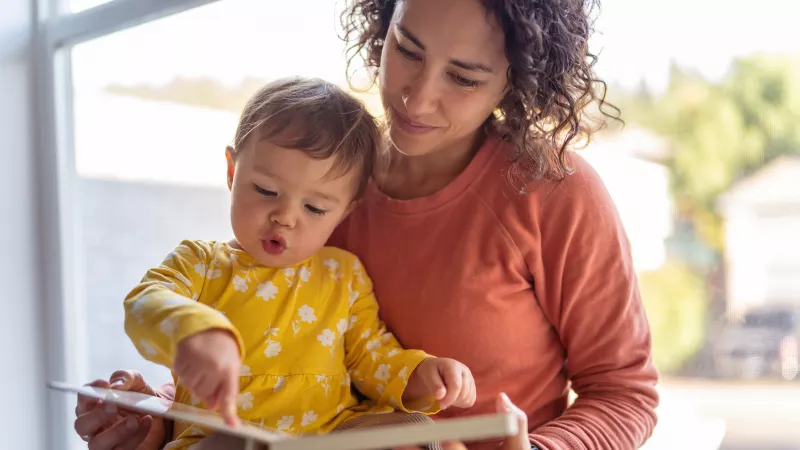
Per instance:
x=585, y=280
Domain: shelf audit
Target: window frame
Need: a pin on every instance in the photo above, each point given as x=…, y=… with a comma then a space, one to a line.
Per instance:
x=57, y=30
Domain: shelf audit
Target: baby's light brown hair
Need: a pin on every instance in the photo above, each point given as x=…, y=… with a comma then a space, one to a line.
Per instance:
x=318, y=118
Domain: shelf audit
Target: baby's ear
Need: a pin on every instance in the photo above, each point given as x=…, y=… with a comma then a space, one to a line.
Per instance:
x=229, y=157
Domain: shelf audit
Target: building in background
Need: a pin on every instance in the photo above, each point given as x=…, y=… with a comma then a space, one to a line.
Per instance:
x=762, y=226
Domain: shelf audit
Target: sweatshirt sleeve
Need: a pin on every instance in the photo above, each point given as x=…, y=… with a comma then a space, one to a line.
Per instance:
x=585, y=280
x=163, y=308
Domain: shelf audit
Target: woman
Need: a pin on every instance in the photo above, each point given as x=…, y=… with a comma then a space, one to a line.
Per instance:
x=487, y=240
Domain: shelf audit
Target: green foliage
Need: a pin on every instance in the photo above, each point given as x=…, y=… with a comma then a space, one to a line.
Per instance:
x=721, y=132
x=675, y=300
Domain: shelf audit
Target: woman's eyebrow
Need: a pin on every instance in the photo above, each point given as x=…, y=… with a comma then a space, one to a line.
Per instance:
x=475, y=67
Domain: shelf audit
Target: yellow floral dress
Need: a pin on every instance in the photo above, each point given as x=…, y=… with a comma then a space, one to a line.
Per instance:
x=305, y=332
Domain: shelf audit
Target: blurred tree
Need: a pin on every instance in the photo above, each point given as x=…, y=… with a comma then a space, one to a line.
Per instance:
x=674, y=298
x=721, y=132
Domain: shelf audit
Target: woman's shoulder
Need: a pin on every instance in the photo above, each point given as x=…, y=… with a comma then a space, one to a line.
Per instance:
x=548, y=199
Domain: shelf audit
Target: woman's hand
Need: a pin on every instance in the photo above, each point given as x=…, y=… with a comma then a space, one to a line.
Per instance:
x=104, y=427
x=520, y=440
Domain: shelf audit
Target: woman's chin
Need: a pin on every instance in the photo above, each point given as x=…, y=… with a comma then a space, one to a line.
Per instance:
x=410, y=145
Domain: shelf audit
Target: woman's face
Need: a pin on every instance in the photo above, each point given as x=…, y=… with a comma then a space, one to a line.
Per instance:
x=442, y=73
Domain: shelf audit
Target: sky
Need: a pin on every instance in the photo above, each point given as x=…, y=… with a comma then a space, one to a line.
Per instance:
x=232, y=39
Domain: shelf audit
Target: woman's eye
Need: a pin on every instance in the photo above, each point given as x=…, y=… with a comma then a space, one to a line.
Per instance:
x=264, y=192
x=408, y=54
x=465, y=82
x=316, y=211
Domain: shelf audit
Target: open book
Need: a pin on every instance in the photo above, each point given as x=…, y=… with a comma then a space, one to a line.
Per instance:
x=467, y=429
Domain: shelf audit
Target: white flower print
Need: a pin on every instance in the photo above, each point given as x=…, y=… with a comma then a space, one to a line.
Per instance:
x=136, y=309
x=272, y=350
x=279, y=384
x=167, y=285
x=296, y=327
x=305, y=274
x=353, y=320
x=392, y=352
x=201, y=269
x=176, y=301
x=285, y=423
x=209, y=272
x=331, y=264
x=339, y=409
x=245, y=400
x=326, y=338
x=366, y=333
x=147, y=348
x=403, y=373
x=307, y=314
x=309, y=418
x=346, y=381
x=386, y=336
x=356, y=265
x=290, y=273
x=382, y=373
x=195, y=297
x=341, y=326
x=213, y=272
x=373, y=344
x=267, y=291
x=234, y=257
x=323, y=381
x=353, y=296
x=245, y=370
x=183, y=279
x=167, y=327
x=240, y=284
x=380, y=389
x=271, y=331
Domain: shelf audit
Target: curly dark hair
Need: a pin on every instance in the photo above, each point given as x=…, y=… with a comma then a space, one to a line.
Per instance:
x=551, y=77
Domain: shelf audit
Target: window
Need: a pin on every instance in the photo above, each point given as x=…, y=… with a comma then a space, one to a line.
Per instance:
x=150, y=130
x=81, y=5
x=140, y=97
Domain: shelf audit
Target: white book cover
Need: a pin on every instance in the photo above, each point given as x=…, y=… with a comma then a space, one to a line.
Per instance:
x=467, y=429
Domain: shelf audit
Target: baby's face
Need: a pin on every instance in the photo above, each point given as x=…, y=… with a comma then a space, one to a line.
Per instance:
x=285, y=204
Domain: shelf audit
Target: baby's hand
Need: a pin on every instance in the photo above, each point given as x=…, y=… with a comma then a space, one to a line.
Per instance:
x=447, y=380
x=208, y=364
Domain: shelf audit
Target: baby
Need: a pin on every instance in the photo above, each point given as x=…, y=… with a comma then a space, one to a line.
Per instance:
x=273, y=326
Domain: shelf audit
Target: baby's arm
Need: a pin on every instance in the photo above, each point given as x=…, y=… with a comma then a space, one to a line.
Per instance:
x=170, y=327
x=381, y=369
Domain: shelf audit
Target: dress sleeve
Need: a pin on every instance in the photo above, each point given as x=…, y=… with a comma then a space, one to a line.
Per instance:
x=163, y=308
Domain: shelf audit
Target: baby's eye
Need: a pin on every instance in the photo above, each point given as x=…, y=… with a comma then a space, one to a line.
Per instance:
x=316, y=211
x=264, y=192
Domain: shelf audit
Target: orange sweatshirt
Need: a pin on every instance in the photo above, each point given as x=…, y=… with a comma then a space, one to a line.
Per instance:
x=531, y=292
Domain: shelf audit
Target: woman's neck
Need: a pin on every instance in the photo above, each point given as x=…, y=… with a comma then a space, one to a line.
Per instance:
x=410, y=177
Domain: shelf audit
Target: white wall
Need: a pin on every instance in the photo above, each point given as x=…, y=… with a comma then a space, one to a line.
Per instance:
x=21, y=342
